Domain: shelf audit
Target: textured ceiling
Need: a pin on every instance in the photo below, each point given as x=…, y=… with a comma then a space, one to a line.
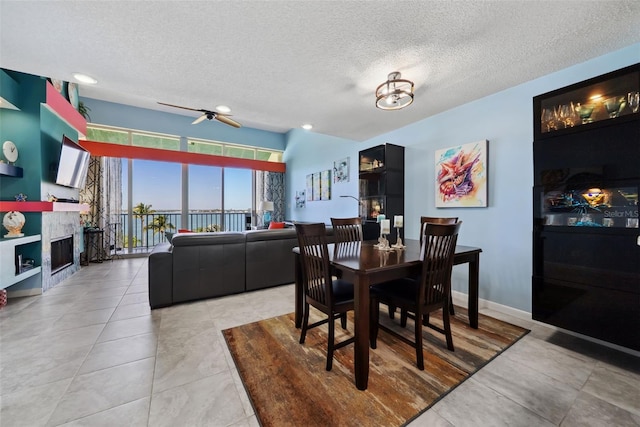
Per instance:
x=279, y=64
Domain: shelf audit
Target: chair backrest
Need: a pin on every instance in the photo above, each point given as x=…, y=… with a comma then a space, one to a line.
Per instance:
x=314, y=257
x=438, y=250
x=347, y=233
x=435, y=220
x=347, y=229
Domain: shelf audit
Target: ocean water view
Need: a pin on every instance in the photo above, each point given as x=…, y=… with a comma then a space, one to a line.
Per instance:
x=147, y=232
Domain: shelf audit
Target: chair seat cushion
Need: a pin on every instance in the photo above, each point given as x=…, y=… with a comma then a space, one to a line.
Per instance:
x=403, y=289
x=342, y=291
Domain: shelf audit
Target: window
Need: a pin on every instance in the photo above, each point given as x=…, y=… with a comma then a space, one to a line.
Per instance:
x=216, y=198
x=156, y=199
x=205, y=198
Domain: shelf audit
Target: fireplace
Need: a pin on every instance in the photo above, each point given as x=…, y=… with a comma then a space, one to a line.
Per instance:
x=61, y=253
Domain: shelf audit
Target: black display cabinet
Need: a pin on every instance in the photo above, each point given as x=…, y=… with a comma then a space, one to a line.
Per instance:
x=381, y=173
x=586, y=236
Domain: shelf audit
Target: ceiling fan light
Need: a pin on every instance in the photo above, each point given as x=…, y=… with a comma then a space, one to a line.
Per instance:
x=395, y=93
x=223, y=109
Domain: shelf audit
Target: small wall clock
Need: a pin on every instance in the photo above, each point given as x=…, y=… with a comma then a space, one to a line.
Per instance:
x=10, y=151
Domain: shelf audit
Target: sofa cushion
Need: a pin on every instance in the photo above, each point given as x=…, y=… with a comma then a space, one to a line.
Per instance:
x=207, y=265
x=270, y=257
x=274, y=225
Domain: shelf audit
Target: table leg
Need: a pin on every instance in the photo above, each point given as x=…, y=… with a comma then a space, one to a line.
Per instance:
x=361, y=351
x=474, y=272
x=299, y=294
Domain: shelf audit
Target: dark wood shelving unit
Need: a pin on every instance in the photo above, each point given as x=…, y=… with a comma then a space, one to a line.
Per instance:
x=586, y=237
x=381, y=179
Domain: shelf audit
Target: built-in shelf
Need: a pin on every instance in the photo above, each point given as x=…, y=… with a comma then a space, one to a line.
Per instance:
x=8, y=248
x=43, y=207
x=10, y=170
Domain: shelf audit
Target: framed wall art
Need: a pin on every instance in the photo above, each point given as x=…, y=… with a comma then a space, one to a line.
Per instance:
x=301, y=199
x=461, y=176
x=341, y=170
x=309, y=191
x=325, y=185
x=316, y=186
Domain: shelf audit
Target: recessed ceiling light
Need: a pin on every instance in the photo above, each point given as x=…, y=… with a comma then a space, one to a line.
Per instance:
x=83, y=78
x=307, y=126
x=223, y=109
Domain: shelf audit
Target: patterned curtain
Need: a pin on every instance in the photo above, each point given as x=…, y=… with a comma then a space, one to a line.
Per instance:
x=103, y=194
x=270, y=187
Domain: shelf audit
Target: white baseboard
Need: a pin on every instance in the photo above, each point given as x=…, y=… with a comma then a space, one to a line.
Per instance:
x=461, y=299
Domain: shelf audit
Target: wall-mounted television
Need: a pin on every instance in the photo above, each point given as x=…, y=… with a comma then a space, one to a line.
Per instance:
x=73, y=165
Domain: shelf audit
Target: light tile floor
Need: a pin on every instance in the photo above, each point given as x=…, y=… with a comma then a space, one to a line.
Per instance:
x=90, y=352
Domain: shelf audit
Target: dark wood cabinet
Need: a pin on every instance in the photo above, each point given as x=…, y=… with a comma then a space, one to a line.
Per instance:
x=381, y=175
x=586, y=236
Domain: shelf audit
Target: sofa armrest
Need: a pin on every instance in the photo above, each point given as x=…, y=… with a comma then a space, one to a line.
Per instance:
x=161, y=276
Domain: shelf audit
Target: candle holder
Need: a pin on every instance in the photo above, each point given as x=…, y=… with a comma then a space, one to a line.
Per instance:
x=398, y=244
x=398, y=223
x=383, y=242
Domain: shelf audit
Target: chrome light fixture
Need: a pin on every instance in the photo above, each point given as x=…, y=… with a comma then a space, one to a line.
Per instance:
x=395, y=93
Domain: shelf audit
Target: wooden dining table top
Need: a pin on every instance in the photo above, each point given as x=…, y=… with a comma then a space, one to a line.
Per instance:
x=364, y=256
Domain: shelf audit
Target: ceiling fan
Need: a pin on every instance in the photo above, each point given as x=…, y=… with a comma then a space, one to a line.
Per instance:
x=209, y=115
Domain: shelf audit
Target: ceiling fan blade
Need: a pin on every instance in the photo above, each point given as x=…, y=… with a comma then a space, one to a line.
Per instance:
x=199, y=119
x=227, y=120
x=178, y=106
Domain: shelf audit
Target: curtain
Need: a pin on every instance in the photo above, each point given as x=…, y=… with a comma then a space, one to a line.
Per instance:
x=103, y=194
x=270, y=187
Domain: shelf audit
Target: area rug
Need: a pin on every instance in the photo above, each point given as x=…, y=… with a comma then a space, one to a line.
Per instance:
x=289, y=386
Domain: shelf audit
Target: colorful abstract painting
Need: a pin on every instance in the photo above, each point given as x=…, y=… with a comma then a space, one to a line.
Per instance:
x=461, y=176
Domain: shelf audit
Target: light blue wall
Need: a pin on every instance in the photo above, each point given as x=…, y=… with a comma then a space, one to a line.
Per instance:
x=112, y=114
x=308, y=153
x=504, y=229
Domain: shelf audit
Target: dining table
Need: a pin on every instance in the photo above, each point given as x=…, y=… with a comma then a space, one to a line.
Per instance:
x=363, y=264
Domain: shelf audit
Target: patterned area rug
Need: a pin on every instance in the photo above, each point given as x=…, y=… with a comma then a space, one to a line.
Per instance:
x=289, y=386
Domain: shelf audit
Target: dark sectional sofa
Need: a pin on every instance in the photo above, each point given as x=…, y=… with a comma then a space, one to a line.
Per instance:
x=196, y=266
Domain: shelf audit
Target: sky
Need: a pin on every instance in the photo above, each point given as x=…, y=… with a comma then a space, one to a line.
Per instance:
x=159, y=184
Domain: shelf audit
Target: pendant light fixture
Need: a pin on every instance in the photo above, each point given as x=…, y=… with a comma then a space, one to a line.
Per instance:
x=395, y=93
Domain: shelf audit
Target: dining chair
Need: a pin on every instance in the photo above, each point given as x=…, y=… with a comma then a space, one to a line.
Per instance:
x=423, y=220
x=435, y=220
x=347, y=234
x=418, y=298
x=332, y=297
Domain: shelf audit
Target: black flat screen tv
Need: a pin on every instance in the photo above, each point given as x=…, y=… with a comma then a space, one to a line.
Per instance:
x=73, y=165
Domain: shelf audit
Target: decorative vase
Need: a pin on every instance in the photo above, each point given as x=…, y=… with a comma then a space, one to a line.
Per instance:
x=13, y=221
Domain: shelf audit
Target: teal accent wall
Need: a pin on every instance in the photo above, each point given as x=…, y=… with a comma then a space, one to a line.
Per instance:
x=37, y=132
x=51, y=131
x=504, y=229
x=9, y=88
x=23, y=128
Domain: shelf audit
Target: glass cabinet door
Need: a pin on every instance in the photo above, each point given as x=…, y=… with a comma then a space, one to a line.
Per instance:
x=610, y=206
x=593, y=101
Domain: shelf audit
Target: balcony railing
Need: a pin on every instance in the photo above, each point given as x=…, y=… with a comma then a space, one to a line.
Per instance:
x=145, y=232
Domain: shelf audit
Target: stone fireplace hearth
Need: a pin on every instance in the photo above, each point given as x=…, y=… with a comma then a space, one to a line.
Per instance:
x=56, y=226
